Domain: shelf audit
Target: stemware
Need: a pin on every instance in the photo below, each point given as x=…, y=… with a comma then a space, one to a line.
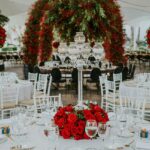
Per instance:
x=52, y=133
x=102, y=130
x=91, y=130
x=122, y=120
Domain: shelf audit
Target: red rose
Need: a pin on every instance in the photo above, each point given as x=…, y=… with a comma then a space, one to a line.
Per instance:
x=81, y=123
x=98, y=117
x=72, y=118
x=65, y=133
x=60, y=122
x=74, y=130
x=97, y=108
x=80, y=130
x=88, y=115
x=69, y=108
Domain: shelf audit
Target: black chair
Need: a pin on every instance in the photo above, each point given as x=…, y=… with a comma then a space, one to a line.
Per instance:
x=124, y=73
x=94, y=76
x=57, y=77
x=36, y=69
x=119, y=69
x=130, y=69
x=74, y=80
x=131, y=75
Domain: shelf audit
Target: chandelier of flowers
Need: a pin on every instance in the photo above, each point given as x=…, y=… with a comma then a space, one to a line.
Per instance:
x=148, y=37
x=97, y=19
x=3, y=20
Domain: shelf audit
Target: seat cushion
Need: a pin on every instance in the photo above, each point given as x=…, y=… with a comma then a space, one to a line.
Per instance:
x=28, y=102
x=9, y=105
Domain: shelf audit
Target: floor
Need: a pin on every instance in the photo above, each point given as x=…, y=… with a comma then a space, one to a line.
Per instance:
x=69, y=95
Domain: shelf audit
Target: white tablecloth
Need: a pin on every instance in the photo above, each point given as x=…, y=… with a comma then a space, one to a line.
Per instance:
x=40, y=141
x=131, y=88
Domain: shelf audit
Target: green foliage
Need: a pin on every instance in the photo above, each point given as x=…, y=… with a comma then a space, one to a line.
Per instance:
x=3, y=20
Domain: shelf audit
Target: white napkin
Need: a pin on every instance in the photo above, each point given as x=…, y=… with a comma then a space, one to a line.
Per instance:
x=143, y=144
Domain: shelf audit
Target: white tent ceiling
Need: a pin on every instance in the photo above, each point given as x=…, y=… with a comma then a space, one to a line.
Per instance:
x=130, y=9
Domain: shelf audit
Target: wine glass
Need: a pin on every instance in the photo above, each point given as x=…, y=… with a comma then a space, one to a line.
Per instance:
x=91, y=128
x=102, y=130
x=52, y=133
x=122, y=120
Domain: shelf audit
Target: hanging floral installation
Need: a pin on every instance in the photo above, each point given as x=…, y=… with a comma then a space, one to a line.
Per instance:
x=93, y=17
x=148, y=37
x=3, y=20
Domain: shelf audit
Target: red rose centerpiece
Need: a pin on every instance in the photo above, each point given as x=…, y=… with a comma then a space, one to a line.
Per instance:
x=71, y=122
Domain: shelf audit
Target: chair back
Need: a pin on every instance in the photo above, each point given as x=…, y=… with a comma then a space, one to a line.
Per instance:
x=130, y=68
x=49, y=85
x=56, y=74
x=41, y=85
x=43, y=102
x=32, y=77
x=54, y=101
x=135, y=103
x=117, y=79
x=75, y=75
x=43, y=77
x=133, y=71
x=103, y=80
x=95, y=73
x=9, y=94
x=37, y=69
x=124, y=73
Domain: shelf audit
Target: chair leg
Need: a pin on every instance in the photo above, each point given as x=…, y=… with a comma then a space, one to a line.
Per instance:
x=102, y=102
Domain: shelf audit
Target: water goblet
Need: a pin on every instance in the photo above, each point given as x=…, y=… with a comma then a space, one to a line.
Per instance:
x=52, y=133
x=91, y=130
x=102, y=130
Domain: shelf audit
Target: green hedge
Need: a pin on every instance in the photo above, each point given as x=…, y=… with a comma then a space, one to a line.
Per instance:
x=8, y=49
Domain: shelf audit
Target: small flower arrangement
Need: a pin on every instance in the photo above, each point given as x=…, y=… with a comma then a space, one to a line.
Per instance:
x=72, y=122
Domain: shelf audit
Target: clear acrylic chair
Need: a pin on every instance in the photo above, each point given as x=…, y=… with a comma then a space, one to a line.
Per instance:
x=136, y=103
x=41, y=103
x=112, y=93
x=8, y=98
x=102, y=80
x=32, y=77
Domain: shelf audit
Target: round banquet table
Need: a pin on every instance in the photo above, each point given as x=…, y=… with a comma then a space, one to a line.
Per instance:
x=130, y=88
x=40, y=141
